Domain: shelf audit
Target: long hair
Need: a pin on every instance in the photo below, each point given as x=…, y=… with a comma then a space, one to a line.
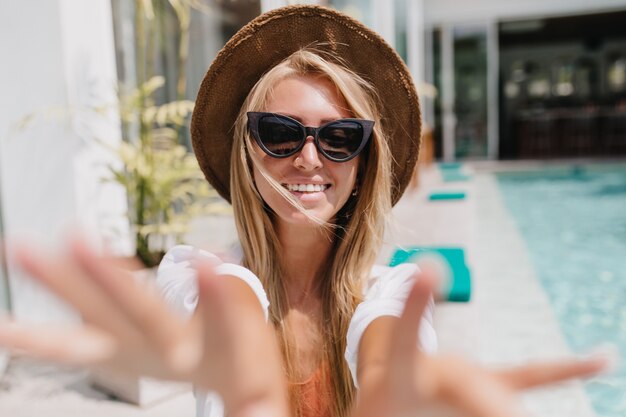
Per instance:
x=357, y=233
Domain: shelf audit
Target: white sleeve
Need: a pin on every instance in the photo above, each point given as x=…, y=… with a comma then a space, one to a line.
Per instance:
x=177, y=280
x=387, y=296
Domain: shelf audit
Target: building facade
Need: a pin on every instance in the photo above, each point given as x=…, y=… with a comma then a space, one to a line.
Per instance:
x=532, y=79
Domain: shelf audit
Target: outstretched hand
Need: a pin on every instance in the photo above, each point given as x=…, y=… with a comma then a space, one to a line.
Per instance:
x=412, y=383
x=128, y=329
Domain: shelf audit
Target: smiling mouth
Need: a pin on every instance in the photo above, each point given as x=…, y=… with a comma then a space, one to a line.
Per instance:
x=307, y=188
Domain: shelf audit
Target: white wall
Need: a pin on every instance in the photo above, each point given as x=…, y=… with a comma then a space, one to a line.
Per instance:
x=446, y=11
x=55, y=53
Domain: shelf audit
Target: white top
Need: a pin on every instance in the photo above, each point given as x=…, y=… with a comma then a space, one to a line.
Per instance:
x=385, y=295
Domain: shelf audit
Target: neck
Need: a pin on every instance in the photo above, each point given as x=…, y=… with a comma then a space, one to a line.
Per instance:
x=305, y=250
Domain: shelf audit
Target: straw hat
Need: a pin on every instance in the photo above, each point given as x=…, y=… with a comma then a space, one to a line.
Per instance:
x=269, y=39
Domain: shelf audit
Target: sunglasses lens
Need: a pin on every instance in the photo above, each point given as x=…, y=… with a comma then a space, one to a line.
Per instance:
x=341, y=140
x=279, y=135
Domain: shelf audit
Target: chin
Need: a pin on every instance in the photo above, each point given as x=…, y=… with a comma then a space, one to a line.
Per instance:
x=303, y=220
x=297, y=218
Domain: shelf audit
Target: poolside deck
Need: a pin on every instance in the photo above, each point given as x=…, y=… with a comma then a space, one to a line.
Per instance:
x=508, y=321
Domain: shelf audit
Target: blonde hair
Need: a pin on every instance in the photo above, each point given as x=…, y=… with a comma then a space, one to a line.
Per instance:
x=357, y=234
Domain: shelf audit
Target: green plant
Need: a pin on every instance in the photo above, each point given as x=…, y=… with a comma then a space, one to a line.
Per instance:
x=163, y=182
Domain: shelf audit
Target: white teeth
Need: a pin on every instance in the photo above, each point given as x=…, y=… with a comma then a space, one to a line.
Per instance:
x=306, y=188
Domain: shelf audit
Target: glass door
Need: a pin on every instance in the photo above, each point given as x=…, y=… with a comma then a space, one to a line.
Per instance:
x=470, y=92
x=465, y=110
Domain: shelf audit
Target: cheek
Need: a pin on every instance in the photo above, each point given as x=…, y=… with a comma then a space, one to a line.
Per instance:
x=352, y=174
x=347, y=181
x=265, y=189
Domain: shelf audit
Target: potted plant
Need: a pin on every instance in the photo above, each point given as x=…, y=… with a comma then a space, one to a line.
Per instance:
x=162, y=180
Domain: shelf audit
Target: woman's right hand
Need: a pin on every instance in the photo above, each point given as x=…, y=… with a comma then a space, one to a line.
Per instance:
x=226, y=346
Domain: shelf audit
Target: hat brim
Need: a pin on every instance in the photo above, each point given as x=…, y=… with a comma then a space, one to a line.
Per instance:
x=269, y=39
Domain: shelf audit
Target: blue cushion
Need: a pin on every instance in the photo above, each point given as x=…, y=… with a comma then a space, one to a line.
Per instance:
x=460, y=286
x=446, y=195
x=450, y=165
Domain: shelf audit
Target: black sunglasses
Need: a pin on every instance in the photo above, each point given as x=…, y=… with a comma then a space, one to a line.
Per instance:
x=281, y=136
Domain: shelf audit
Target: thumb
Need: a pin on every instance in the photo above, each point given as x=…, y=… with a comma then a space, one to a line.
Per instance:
x=405, y=334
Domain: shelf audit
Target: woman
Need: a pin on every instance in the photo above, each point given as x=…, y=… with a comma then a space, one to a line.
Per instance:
x=310, y=209
x=309, y=124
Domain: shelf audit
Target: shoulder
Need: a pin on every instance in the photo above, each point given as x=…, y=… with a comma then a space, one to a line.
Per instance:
x=390, y=281
x=177, y=278
x=184, y=255
x=388, y=289
x=386, y=292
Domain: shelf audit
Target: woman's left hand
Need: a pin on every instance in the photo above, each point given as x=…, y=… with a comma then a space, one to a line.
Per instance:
x=409, y=382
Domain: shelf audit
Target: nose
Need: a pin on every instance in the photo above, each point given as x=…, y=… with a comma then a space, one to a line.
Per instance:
x=308, y=158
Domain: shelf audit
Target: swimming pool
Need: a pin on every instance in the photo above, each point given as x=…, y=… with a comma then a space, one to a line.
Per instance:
x=573, y=221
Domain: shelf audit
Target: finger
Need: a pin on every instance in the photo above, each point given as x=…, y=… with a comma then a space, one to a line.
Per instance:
x=64, y=278
x=537, y=374
x=148, y=312
x=227, y=303
x=484, y=397
x=211, y=301
x=407, y=329
x=87, y=347
x=224, y=319
x=213, y=315
x=126, y=264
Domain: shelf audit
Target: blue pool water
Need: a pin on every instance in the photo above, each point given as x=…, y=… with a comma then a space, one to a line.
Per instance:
x=573, y=221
